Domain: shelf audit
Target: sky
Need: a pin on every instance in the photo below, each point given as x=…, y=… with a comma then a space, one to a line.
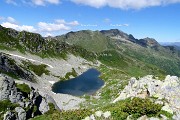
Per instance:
x=158, y=19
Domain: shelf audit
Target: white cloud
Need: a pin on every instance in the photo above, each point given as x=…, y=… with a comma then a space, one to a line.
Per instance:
x=46, y=29
x=44, y=2
x=62, y=21
x=58, y=26
x=18, y=27
x=125, y=4
x=11, y=20
x=50, y=27
x=73, y=23
x=11, y=2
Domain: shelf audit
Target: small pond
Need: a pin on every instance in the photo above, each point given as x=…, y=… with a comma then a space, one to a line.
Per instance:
x=87, y=83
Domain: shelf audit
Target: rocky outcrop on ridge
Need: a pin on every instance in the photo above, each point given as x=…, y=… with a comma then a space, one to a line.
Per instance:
x=148, y=42
x=164, y=92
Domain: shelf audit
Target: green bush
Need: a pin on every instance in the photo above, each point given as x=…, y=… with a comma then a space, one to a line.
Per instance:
x=54, y=114
x=23, y=88
x=37, y=69
x=139, y=107
x=5, y=104
x=72, y=73
x=165, y=113
x=136, y=107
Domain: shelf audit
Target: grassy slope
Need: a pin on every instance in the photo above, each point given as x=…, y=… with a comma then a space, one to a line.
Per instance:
x=92, y=41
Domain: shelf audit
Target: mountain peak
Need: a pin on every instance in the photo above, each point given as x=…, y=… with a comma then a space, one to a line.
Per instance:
x=113, y=33
x=151, y=42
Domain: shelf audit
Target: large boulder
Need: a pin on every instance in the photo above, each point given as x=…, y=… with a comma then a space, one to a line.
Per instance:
x=8, y=90
x=44, y=107
x=21, y=113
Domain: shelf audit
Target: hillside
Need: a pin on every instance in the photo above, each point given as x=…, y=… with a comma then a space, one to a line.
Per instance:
x=40, y=62
x=94, y=43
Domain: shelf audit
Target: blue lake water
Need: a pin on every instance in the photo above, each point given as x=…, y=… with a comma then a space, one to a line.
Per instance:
x=87, y=83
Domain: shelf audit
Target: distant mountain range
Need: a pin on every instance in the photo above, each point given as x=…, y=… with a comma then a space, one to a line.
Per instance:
x=176, y=45
x=128, y=51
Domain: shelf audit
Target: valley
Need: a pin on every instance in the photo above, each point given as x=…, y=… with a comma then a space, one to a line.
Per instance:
x=132, y=70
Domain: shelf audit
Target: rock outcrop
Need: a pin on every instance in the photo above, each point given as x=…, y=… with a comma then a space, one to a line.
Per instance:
x=21, y=113
x=164, y=92
x=30, y=104
x=9, y=116
x=9, y=91
x=148, y=42
x=8, y=65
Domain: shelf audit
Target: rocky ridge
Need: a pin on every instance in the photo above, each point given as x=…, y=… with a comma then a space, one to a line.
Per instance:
x=165, y=92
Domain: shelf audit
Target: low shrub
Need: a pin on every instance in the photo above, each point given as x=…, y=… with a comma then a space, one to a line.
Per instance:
x=23, y=88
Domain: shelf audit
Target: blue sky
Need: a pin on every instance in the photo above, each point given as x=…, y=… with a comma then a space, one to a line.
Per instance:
x=157, y=19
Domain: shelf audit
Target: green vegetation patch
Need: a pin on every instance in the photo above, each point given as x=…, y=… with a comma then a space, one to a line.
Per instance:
x=167, y=114
x=6, y=104
x=68, y=74
x=10, y=74
x=37, y=69
x=136, y=107
x=54, y=114
x=23, y=88
x=113, y=58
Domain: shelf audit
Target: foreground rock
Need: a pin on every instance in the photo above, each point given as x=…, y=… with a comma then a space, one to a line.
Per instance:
x=29, y=103
x=164, y=92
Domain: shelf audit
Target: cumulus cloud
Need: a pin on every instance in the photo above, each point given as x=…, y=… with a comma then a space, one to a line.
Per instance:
x=44, y=28
x=50, y=27
x=125, y=4
x=18, y=27
x=58, y=25
x=10, y=22
x=44, y=2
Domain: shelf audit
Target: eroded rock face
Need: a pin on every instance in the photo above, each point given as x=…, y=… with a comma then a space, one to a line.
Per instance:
x=8, y=90
x=44, y=107
x=33, y=102
x=21, y=113
x=165, y=92
x=9, y=116
x=8, y=65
